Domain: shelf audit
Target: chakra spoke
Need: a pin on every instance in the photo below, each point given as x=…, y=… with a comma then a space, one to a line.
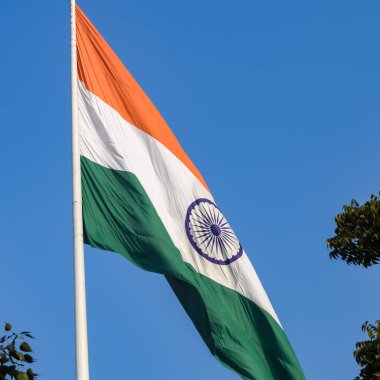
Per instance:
x=213, y=243
x=228, y=232
x=204, y=216
x=202, y=223
x=215, y=216
x=200, y=232
x=201, y=227
x=206, y=233
x=209, y=241
x=233, y=244
x=212, y=215
x=219, y=246
x=223, y=248
x=220, y=220
x=228, y=238
x=199, y=220
x=207, y=238
x=209, y=215
x=229, y=241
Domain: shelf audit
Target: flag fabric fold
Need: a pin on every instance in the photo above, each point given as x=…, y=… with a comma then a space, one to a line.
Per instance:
x=144, y=199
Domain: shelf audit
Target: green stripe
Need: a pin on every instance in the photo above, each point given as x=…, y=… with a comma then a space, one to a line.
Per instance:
x=119, y=216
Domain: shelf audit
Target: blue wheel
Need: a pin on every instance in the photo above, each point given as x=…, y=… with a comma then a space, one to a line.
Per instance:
x=210, y=234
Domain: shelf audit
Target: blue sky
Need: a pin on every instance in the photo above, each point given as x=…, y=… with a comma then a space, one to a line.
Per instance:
x=278, y=106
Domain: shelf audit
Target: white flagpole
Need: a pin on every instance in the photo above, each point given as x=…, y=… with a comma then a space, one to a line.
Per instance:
x=82, y=371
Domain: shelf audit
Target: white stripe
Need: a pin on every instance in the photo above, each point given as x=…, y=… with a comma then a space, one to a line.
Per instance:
x=109, y=140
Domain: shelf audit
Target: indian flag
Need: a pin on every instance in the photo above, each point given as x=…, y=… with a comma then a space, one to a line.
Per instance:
x=144, y=198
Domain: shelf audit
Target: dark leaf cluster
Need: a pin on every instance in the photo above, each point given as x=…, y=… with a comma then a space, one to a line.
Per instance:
x=367, y=353
x=357, y=239
x=16, y=355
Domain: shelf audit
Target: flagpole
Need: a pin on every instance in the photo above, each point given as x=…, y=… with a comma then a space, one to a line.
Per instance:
x=82, y=371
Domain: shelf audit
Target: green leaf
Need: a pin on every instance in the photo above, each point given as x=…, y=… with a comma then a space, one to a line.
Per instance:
x=11, y=346
x=25, y=347
x=28, y=358
x=22, y=376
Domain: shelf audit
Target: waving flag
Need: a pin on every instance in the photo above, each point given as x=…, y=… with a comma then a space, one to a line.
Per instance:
x=144, y=199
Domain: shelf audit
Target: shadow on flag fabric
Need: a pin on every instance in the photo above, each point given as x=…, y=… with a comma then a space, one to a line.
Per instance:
x=144, y=199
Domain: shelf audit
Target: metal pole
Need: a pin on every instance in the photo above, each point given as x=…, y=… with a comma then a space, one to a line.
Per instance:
x=82, y=371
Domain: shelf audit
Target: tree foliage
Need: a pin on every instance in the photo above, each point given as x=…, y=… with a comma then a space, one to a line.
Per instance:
x=16, y=355
x=367, y=353
x=357, y=239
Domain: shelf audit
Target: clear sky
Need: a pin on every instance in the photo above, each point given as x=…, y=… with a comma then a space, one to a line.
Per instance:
x=277, y=103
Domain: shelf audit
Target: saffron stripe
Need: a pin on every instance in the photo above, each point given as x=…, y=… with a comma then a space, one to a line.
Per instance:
x=104, y=75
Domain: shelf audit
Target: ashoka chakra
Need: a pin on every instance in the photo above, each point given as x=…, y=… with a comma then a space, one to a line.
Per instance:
x=210, y=234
